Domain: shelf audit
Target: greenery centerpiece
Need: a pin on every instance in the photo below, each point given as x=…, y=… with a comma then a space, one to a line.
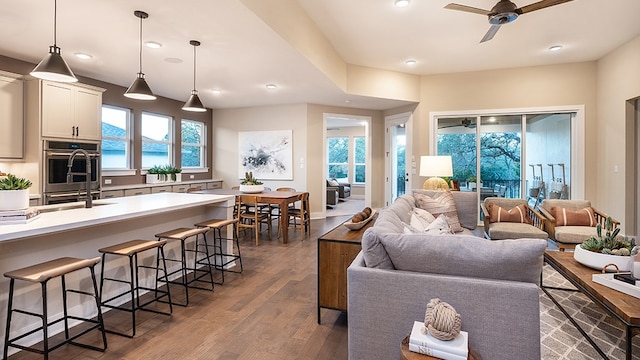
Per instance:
x=163, y=173
x=250, y=184
x=608, y=248
x=14, y=193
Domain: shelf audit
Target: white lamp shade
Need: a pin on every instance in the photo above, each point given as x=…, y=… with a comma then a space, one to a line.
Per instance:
x=436, y=165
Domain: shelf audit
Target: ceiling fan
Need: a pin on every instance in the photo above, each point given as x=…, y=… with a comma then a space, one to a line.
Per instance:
x=466, y=122
x=504, y=12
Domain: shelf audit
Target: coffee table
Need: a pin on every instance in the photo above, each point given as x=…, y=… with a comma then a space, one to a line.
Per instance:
x=623, y=307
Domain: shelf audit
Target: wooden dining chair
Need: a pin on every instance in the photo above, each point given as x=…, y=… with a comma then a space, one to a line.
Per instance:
x=300, y=216
x=249, y=218
x=275, y=208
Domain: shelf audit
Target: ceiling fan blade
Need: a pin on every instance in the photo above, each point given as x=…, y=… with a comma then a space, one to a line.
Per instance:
x=541, y=5
x=491, y=33
x=466, y=8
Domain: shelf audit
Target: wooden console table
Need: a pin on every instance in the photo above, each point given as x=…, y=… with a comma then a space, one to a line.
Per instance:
x=623, y=307
x=336, y=251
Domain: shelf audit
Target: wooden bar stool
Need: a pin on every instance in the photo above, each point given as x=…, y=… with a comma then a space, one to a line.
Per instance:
x=42, y=273
x=182, y=234
x=221, y=258
x=131, y=249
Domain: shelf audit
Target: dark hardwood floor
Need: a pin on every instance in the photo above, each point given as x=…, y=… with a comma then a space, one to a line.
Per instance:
x=268, y=312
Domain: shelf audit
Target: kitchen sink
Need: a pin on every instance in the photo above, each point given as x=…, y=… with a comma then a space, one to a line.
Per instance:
x=68, y=206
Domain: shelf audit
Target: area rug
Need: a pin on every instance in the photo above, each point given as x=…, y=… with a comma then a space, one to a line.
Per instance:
x=561, y=340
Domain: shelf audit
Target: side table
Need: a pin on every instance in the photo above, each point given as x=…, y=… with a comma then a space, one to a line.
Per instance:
x=336, y=250
x=406, y=354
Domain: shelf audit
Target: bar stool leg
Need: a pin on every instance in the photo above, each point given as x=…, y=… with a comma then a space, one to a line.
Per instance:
x=133, y=298
x=44, y=320
x=9, y=312
x=65, y=311
x=97, y=298
x=166, y=279
x=207, y=257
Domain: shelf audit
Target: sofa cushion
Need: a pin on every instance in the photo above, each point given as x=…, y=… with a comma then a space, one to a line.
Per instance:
x=333, y=182
x=441, y=202
x=515, y=230
x=421, y=219
x=516, y=260
x=568, y=217
x=466, y=204
x=517, y=214
x=574, y=234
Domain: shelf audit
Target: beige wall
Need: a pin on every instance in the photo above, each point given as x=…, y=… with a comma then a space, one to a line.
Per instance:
x=618, y=81
x=540, y=86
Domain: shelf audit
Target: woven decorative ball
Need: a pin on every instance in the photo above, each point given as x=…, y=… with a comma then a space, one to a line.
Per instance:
x=441, y=320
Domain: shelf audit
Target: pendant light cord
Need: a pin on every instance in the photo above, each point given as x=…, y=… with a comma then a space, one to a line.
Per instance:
x=55, y=15
x=140, y=44
x=194, y=67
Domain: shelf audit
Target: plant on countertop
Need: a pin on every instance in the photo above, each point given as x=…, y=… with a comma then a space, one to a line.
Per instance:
x=164, y=170
x=11, y=182
x=250, y=180
x=609, y=243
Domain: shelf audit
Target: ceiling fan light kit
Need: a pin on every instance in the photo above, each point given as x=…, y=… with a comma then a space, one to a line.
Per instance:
x=53, y=67
x=139, y=89
x=504, y=12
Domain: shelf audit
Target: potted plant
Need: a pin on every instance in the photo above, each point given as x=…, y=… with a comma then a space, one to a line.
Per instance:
x=600, y=251
x=163, y=173
x=14, y=193
x=251, y=184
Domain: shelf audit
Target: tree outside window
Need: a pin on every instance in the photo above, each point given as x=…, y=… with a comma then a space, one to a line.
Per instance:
x=193, y=144
x=157, y=142
x=338, y=157
x=116, y=138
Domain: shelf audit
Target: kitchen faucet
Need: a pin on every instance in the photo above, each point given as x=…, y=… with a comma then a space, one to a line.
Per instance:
x=87, y=174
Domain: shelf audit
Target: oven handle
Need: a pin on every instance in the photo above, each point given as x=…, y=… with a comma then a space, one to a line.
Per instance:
x=69, y=154
x=71, y=194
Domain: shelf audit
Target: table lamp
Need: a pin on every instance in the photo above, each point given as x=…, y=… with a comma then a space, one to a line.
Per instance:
x=435, y=166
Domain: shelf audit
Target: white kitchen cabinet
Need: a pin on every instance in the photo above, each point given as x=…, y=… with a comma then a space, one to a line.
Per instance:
x=70, y=111
x=11, y=116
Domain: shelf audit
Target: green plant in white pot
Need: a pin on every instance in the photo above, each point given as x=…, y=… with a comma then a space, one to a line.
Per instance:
x=14, y=193
x=608, y=248
x=251, y=184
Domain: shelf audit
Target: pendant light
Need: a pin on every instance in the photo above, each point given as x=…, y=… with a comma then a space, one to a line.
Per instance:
x=53, y=67
x=194, y=103
x=140, y=90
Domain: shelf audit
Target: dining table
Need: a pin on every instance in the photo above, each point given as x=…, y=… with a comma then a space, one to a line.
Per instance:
x=280, y=198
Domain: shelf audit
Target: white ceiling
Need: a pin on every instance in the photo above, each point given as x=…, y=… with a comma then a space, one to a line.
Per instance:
x=240, y=54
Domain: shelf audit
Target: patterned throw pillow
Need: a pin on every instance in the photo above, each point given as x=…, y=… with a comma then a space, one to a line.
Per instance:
x=566, y=217
x=421, y=218
x=441, y=203
x=439, y=227
x=518, y=214
x=334, y=182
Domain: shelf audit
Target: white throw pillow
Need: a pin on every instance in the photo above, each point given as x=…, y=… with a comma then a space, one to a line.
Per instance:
x=439, y=227
x=420, y=219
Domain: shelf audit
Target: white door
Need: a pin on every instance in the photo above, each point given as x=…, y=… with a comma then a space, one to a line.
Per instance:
x=399, y=165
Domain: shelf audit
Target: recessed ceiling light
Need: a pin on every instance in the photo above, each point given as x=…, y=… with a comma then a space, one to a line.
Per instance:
x=153, y=44
x=410, y=62
x=173, y=60
x=83, y=56
x=402, y=3
x=216, y=91
x=271, y=86
x=555, y=48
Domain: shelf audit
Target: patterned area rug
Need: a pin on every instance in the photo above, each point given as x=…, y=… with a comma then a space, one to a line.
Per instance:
x=561, y=340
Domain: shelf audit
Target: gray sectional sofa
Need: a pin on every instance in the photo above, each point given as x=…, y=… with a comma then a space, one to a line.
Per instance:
x=492, y=284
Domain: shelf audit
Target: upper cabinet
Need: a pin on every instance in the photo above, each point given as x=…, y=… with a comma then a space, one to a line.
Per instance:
x=11, y=116
x=69, y=111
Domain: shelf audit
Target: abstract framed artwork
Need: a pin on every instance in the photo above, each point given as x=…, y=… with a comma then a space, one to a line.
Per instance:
x=268, y=154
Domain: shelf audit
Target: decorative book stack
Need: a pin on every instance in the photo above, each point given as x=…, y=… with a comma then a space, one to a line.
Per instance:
x=422, y=342
x=18, y=216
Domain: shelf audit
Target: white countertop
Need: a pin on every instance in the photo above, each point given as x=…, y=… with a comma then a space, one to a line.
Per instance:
x=106, y=211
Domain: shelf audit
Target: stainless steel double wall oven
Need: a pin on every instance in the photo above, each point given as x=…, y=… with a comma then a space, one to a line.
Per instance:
x=56, y=159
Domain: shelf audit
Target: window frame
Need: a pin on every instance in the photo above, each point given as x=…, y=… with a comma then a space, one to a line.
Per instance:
x=128, y=140
x=203, y=146
x=345, y=164
x=170, y=142
x=355, y=162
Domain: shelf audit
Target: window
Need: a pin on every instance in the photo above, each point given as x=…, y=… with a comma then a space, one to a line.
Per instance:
x=359, y=146
x=157, y=141
x=193, y=144
x=116, y=138
x=338, y=157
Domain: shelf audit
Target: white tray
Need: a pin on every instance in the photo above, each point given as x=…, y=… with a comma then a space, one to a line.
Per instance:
x=608, y=281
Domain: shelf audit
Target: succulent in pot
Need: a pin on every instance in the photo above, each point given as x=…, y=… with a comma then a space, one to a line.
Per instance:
x=249, y=179
x=251, y=184
x=605, y=250
x=14, y=193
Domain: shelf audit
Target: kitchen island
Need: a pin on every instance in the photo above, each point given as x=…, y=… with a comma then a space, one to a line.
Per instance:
x=80, y=232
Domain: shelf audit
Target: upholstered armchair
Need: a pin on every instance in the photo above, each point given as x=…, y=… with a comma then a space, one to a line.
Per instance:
x=332, y=196
x=344, y=189
x=511, y=219
x=571, y=222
